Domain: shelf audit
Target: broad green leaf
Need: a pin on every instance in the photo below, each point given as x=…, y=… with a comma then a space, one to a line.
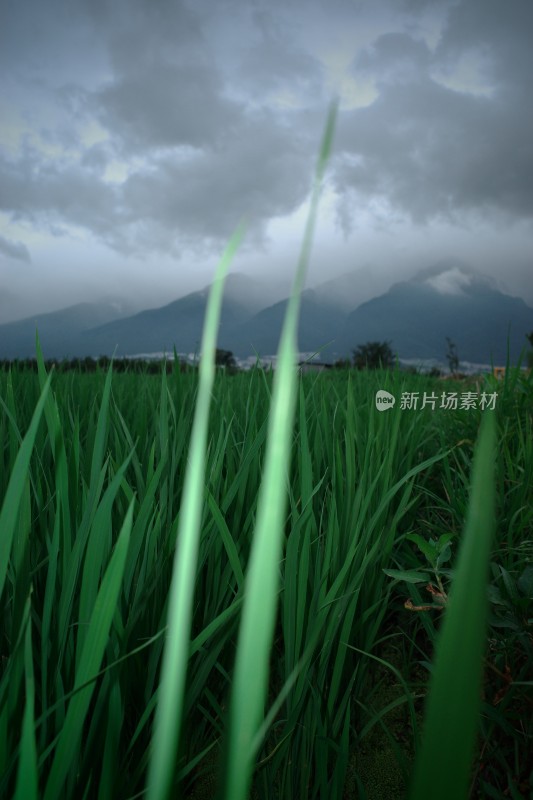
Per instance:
x=409, y=576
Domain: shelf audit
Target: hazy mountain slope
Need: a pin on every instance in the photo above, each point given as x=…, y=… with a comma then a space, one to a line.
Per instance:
x=59, y=331
x=319, y=323
x=178, y=324
x=349, y=289
x=417, y=318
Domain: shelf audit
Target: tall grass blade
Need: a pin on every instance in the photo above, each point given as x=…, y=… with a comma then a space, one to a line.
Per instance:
x=169, y=711
x=27, y=780
x=90, y=661
x=16, y=486
x=261, y=587
x=443, y=764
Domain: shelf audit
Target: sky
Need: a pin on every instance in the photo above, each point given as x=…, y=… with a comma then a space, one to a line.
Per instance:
x=136, y=134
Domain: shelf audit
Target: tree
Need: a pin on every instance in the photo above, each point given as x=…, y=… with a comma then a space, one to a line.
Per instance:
x=342, y=363
x=225, y=358
x=452, y=356
x=373, y=355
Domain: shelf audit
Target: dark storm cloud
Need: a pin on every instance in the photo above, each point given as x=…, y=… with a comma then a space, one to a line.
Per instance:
x=263, y=172
x=165, y=89
x=56, y=193
x=438, y=153
x=423, y=5
x=139, y=33
x=393, y=56
x=274, y=60
x=429, y=151
x=195, y=159
x=501, y=33
x=181, y=105
x=209, y=111
x=16, y=250
x=168, y=87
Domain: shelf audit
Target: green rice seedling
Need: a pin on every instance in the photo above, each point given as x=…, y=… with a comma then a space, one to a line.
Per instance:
x=250, y=681
x=170, y=708
x=358, y=490
x=27, y=775
x=89, y=663
x=15, y=488
x=444, y=762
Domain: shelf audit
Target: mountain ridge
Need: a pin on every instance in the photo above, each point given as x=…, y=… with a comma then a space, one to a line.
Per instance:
x=415, y=315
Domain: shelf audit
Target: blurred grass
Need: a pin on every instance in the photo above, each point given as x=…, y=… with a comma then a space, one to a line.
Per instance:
x=170, y=704
x=251, y=673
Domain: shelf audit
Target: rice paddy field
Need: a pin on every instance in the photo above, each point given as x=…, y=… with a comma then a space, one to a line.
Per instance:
x=260, y=585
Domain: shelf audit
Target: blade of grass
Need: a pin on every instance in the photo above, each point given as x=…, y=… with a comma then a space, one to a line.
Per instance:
x=93, y=653
x=169, y=711
x=95, y=555
x=443, y=763
x=27, y=781
x=16, y=485
x=259, y=612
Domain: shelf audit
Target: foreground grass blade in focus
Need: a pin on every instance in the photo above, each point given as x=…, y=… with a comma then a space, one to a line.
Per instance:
x=443, y=764
x=176, y=654
x=261, y=588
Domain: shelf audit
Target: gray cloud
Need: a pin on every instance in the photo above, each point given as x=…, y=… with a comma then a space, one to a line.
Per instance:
x=181, y=105
x=139, y=33
x=56, y=193
x=274, y=60
x=262, y=170
x=428, y=151
x=16, y=250
x=500, y=33
x=421, y=150
x=150, y=128
x=195, y=158
x=394, y=57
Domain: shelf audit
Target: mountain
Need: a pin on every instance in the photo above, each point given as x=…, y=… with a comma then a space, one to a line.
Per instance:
x=349, y=289
x=254, y=293
x=59, y=331
x=416, y=316
x=447, y=299
x=178, y=324
x=91, y=329
x=320, y=322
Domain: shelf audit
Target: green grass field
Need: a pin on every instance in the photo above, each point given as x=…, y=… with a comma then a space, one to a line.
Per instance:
x=92, y=501
x=259, y=585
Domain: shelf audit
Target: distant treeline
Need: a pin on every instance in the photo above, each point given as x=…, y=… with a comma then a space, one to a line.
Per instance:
x=137, y=365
